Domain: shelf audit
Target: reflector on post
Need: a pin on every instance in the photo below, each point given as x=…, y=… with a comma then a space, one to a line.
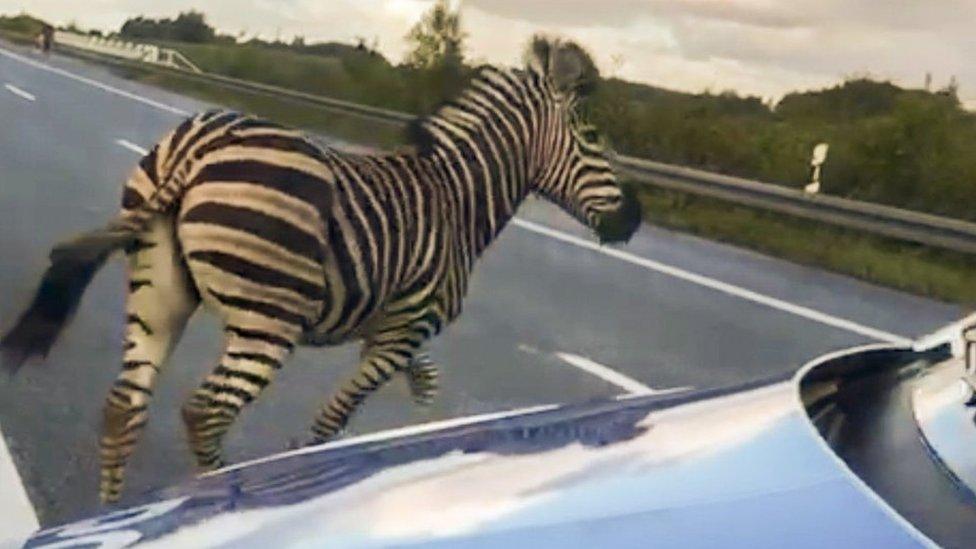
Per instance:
x=816, y=161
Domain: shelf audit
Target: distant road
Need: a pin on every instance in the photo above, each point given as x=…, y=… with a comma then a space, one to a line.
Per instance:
x=550, y=318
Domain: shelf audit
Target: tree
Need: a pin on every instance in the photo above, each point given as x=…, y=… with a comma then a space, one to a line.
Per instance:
x=190, y=26
x=437, y=38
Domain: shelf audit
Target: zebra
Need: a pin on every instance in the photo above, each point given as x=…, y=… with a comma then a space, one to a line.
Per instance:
x=291, y=242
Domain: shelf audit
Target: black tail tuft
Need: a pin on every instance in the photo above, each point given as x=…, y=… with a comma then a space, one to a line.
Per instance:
x=73, y=265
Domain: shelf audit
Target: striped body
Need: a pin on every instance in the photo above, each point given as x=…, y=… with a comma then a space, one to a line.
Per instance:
x=330, y=243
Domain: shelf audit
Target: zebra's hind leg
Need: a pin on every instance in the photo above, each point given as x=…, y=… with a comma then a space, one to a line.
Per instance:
x=159, y=303
x=247, y=366
x=381, y=359
x=422, y=379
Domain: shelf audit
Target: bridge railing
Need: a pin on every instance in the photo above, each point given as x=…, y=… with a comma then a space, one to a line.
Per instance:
x=898, y=223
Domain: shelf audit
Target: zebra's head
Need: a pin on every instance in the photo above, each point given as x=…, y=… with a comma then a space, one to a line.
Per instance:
x=572, y=165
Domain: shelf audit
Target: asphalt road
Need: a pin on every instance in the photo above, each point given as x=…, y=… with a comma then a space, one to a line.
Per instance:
x=545, y=311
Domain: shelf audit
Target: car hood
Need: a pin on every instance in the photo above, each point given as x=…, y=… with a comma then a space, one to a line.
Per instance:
x=741, y=466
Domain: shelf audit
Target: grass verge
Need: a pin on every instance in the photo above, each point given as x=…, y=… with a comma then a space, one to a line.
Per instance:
x=916, y=269
x=16, y=37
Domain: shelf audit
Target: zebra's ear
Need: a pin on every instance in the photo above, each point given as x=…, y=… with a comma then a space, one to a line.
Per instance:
x=537, y=55
x=565, y=64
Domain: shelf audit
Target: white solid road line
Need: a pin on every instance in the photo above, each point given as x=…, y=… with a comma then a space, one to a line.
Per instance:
x=17, y=516
x=724, y=287
x=131, y=146
x=19, y=92
x=614, y=377
x=95, y=83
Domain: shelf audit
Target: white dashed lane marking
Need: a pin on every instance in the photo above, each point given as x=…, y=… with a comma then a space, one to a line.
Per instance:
x=131, y=146
x=19, y=92
x=630, y=385
x=614, y=377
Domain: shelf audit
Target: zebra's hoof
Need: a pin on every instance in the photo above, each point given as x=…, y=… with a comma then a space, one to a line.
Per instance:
x=424, y=399
x=294, y=444
x=210, y=465
x=314, y=441
x=319, y=437
x=422, y=379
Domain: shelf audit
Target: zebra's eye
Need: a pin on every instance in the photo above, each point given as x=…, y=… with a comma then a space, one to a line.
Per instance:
x=590, y=135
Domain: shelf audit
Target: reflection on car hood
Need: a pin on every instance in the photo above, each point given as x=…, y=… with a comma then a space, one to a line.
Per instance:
x=742, y=467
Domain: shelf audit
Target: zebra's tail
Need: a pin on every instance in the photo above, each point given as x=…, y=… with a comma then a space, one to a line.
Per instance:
x=73, y=265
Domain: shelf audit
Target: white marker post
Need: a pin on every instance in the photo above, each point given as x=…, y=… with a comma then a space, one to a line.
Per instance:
x=969, y=340
x=816, y=161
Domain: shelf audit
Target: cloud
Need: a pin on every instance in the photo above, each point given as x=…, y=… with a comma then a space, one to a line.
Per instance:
x=624, y=13
x=765, y=47
x=314, y=19
x=762, y=47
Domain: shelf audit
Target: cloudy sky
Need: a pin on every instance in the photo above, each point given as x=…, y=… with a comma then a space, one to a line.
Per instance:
x=759, y=47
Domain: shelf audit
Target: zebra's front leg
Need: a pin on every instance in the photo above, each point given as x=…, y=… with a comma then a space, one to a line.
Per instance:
x=382, y=357
x=247, y=366
x=422, y=379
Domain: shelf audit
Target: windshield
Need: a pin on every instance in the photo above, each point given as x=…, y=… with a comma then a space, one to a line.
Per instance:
x=235, y=229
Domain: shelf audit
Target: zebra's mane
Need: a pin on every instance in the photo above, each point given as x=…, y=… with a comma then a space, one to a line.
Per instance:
x=567, y=65
x=421, y=138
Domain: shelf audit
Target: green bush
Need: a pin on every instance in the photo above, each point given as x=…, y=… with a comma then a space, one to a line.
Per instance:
x=354, y=75
x=22, y=24
x=189, y=26
x=908, y=148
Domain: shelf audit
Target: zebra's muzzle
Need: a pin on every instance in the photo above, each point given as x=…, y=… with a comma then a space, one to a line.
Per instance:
x=620, y=224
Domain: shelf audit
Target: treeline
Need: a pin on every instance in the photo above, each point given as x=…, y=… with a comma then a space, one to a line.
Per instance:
x=190, y=26
x=912, y=148
x=433, y=70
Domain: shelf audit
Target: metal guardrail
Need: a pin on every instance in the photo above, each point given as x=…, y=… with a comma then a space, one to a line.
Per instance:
x=869, y=217
x=932, y=230
x=147, y=53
